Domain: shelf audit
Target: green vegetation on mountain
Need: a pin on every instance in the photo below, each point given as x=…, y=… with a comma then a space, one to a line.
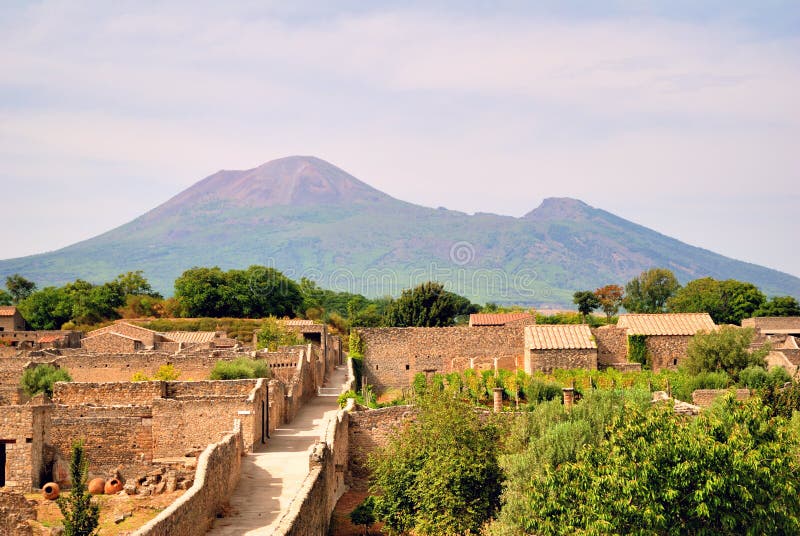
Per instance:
x=312, y=220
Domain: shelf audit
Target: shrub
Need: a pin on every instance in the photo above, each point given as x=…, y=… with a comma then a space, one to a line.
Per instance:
x=342, y=400
x=165, y=373
x=364, y=514
x=272, y=335
x=240, y=369
x=727, y=348
x=81, y=515
x=41, y=378
x=754, y=377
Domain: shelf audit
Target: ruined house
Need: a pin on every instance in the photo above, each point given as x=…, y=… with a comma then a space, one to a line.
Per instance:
x=11, y=319
x=666, y=335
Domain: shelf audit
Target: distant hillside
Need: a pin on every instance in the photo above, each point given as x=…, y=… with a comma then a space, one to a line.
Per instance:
x=309, y=218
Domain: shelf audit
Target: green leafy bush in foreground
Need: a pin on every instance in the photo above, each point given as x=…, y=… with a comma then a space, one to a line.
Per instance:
x=41, y=378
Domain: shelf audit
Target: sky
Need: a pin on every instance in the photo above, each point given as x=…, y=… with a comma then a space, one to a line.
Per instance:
x=682, y=116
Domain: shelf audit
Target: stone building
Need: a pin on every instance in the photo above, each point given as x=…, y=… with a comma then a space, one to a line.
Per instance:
x=566, y=346
x=122, y=337
x=11, y=319
x=783, y=336
x=667, y=335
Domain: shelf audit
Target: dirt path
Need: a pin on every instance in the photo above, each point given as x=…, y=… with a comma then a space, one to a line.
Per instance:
x=272, y=475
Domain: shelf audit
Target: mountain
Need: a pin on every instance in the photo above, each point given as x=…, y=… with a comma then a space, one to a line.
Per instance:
x=311, y=219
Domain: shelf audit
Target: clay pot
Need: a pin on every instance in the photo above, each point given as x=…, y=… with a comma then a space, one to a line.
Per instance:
x=113, y=486
x=51, y=491
x=97, y=486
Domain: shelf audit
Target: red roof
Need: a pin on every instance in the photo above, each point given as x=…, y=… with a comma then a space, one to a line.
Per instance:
x=7, y=310
x=496, y=319
x=49, y=338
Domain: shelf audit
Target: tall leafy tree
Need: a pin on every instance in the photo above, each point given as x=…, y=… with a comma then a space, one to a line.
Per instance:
x=19, y=287
x=728, y=301
x=586, y=302
x=649, y=292
x=610, y=298
x=135, y=284
x=779, y=306
x=428, y=305
x=5, y=298
x=47, y=309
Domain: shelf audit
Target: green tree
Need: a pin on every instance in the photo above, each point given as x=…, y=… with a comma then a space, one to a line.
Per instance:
x=728, y=301
x=19, y=287
x=40, y=379
x=47, y=309
x=428, y=305
x=610, y=298
x=730, y=471
x=779, y=306
x=649, y=292
x=439, y=474
x=364, y=514
x=81, y=514
x=725, y=349
x=5, y=298
x=135, y=284
x=586, y=302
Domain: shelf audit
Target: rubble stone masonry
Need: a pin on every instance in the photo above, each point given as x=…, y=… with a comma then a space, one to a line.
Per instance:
x=393, y=356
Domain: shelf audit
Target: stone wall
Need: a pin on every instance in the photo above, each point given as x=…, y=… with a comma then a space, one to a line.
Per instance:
x=705, y=397
x=369, y=430
x=768, y=323
x=393, y=356
x=146, y=336
x=15, y=512
x=109, y=342
x=218, y=471
x=549, y=360
x=667, y=351
x=112, y=435
x=108, y=393
x=612, y=345
x=22, y=431
x=310, y=510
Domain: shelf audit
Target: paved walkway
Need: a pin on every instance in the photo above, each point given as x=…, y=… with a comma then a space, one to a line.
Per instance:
x=272, y=475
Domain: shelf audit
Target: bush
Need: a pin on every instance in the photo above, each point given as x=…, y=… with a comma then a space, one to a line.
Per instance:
x=272, y=335
x=364, y=513
x=727, y=348
x=754, y=377
x=342, y=400
x=41, y=378
x=240, y=369
x=165, y=373
x=81, y=515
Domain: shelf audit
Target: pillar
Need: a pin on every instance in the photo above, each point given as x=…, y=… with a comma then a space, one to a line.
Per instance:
x=569, y=397
x=497, y=392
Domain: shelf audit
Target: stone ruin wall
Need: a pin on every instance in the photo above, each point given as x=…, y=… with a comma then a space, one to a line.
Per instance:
x=549, y=360
x=667, y=351
x=705, y=397
x=218, y=470
x=367, y=431
x=612, y=345
x=22, y=429
x=392, y=356
x=15, y=511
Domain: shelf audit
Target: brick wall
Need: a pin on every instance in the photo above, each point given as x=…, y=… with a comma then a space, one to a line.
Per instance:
x=667, y=351
x=394, y=355
x=549, y=360
x=218, y=471
x=612, y=345
x=369, y=430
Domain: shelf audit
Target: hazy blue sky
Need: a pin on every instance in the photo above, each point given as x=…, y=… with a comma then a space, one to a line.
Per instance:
x=679, y=116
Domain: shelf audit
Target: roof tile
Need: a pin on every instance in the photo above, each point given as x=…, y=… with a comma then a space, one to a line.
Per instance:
x=559, y=337
x=666, y=323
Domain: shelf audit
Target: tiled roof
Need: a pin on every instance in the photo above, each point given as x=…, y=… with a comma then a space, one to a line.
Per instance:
x=7, y=310
x=49, y=338
x=495, y=319
x=559, y=337
x=190, y=337
x=108, y=334
x=666, y=323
